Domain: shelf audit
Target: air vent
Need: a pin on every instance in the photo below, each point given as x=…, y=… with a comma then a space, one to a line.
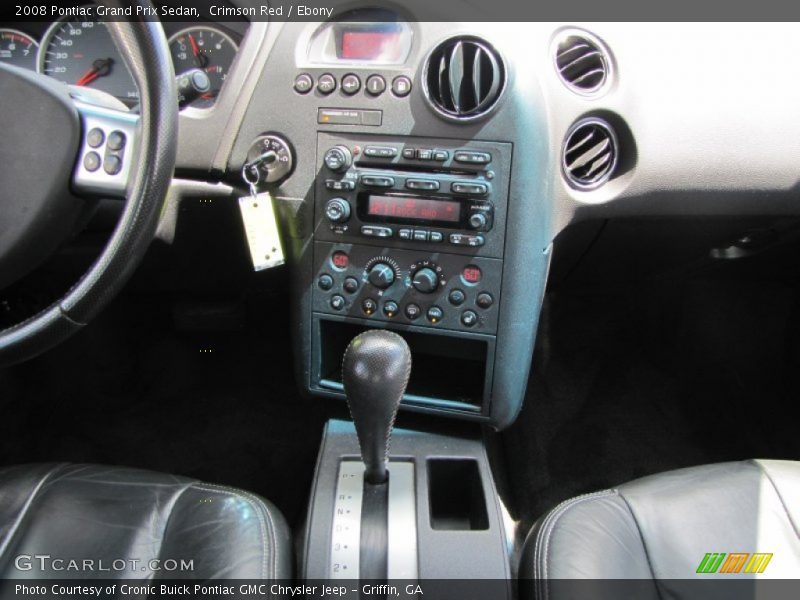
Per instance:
x=464, y=78
x=590, y=153
x=582, y=64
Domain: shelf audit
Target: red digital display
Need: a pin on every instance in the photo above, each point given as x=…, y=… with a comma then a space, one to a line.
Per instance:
x=340, y=260
x=422, y=209
x=370, y=45
x=471, y=274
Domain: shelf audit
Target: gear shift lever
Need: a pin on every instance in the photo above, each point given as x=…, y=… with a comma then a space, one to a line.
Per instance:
x=375, y=371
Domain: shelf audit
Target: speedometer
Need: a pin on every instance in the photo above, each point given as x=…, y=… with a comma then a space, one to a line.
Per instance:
x=18, y=49
x=205, y=48
x=83, y=53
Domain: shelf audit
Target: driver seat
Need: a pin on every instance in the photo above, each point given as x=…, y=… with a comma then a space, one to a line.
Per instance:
x=92, y=521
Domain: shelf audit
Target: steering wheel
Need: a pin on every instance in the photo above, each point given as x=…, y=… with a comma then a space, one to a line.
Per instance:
x=49, y=170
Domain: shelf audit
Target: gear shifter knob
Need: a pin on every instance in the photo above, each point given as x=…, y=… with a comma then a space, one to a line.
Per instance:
x=375, y=372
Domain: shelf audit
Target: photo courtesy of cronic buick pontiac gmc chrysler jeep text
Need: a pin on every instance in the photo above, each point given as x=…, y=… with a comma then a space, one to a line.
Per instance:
x=420, y=300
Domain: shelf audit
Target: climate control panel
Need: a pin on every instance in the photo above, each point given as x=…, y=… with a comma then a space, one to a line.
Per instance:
x=407, y=287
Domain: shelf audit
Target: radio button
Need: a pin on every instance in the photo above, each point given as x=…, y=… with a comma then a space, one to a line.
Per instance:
x=380, y=151
x=373, y=231
x=440, y=155
x=420, y=235
x=404, y=234
x=477, y=220
x=340, y=185
x=409, y=153
x=463, y=239
x=377, y=180
x=475, y=158
x=422, y=184
x=425, y=154
x=436, y=236
x=471, y=189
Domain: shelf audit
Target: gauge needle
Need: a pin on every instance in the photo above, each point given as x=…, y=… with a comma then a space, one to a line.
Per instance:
x=99, y=68
x=200, y=58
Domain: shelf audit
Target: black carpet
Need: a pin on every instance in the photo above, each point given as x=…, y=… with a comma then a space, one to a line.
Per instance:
x=132, y=389
x=630, y=380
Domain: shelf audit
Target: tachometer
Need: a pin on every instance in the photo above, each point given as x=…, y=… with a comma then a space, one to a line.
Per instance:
x=83, y=53
x=206, y=48
x=18, y=49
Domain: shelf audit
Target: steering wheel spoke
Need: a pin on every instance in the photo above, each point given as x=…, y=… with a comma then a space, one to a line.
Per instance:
x=108, y=147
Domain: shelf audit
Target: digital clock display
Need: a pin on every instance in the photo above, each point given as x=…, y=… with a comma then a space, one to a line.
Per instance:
x=411, y=207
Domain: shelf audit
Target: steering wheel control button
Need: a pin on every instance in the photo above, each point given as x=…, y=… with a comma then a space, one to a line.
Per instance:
x=484, y=300
x=325, y=282
x=435, y=314
x=303, y=83
x=337, y=302
x=95, y=138
x=469, y=318
x=401, y=86
x=116, y=141
x=112, y=165
x=337, y=210
x=326, y=84
x=351, y=84
x=92, y=162
x=412, y=311
x=369, y=306
x=473, y=158
x=457, y=297
x=376, y=85
x=471, y=274
x=350, y=285
x=390, y=308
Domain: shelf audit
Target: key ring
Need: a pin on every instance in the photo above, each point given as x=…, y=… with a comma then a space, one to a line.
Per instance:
x=250, y=167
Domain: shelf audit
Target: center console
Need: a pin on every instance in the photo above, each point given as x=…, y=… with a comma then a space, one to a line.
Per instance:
x=409, y=234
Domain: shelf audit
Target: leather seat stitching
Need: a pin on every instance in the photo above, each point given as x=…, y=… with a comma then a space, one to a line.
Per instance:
x=259, y=507
x=28, y=503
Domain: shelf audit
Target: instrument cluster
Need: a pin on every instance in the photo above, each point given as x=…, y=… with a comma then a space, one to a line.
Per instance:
x=82, y=53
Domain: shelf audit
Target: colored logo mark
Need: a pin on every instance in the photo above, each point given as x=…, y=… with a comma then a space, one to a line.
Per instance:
x=734, y=562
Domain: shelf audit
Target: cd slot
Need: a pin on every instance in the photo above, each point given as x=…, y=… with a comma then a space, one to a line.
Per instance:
x=412, y=169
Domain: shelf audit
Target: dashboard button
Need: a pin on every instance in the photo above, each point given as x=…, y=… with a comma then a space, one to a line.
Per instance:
x=380, y=151
x=377, y=180
x=116, y=141
x=350, y=285
x=436, y=236
x=401, y=86
x=475, y=158
x=456, y=297
x=462, y=239
x=469, y=318
x=376, y=85
x=425, y=154
x=369, y=306
x=95, y=137
x=91, y=162
x=477, y=220
x=404, y=234
x=112, y=165
x=337, y=302
x=466, y=187
x=435, y=314
x=412, y=311
x=372, y=231
x=303, y=83
x=422, y=184
x=409, y=153
x=390, y=308
x=351, y=84
x=340, y=185
x=484, y=300
x=325, y=282
x=420, y=235
x=326, y=83
x=441, y=155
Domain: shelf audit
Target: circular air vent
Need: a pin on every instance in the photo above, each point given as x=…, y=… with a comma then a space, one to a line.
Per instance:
x=590, y=153
x=464, y=78
x=582, y=63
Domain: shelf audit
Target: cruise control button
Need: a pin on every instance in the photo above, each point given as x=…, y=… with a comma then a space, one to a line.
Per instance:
x=303, y=83
x=95, y=138
x=337, y=302
x=380, y=151
x=350, y=285
x=325, y=282
x=435, y=314
x=475, y=158
x=457, y=297
x=91, y=162
x=116, y=141
x=376, y=85
x=484, y=300
x=374, y=231
x=390, y=308
x=469, y=318
x=326, y=83
x=351, y=84
x=401, y=86
x=369, y=306
x=412, y=311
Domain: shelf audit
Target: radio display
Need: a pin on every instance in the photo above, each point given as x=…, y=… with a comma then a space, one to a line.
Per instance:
x=370, y=45
x=411, y=207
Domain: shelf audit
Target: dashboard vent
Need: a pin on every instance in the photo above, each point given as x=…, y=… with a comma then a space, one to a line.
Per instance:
x=590, y=153
x=582, y=64
x=464, y=78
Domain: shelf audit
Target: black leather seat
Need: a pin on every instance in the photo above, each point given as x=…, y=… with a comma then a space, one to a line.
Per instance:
x=661, y=527
x=127, y=518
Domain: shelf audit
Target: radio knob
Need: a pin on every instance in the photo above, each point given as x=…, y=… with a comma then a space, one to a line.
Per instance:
x=337, y=210
x=425, y=281
x=381, y=275
x=477, y=220
x=338, y=158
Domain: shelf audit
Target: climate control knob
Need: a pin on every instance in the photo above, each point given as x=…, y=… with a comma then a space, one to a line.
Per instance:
x=338, y=158
x=337, y=210
x=381, y=275
x=425, y=280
